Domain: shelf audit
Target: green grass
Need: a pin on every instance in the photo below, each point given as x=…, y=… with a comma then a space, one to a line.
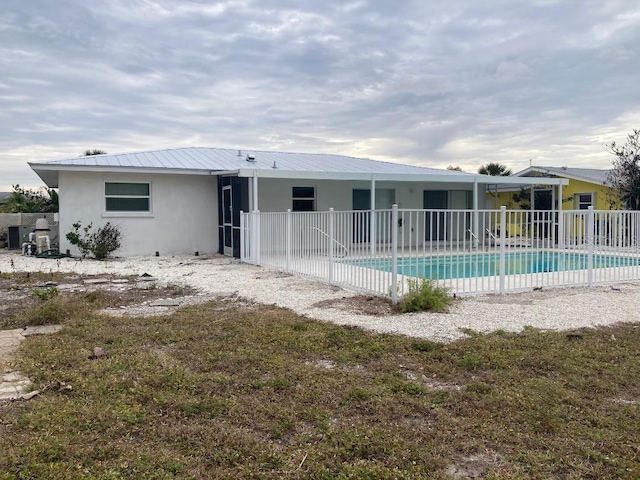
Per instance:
x=244, y=391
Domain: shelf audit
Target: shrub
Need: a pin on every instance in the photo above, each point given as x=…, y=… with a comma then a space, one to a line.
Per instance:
x=101, y=243
x=425, y=294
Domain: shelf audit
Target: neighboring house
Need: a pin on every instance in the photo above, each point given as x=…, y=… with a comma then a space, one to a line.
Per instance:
x=587, y=187
x=189, y=199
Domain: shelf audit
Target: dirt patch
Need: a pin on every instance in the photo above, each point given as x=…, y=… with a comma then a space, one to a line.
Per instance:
x=473, y=466
x=360, y=305
x=20, y=292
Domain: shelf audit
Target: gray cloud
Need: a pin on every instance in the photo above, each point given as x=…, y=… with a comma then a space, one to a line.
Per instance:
x=427, y=83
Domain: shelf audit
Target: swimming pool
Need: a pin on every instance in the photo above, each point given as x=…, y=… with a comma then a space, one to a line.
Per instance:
x=488, y=264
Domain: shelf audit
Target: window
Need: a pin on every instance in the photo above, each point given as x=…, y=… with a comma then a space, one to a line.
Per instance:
x=584, y=200
x=127, y=197
x=304, y=199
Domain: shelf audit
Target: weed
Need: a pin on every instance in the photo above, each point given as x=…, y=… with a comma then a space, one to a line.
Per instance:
x=45, y=294
x=479, y=387
x=425, y=294
x=425, y=346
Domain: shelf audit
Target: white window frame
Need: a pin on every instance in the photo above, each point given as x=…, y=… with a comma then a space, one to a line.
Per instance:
x=128, y=213
x=579, y=202
x=313, y=199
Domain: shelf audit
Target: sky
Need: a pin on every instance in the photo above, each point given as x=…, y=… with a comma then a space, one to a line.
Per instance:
x=423, y=82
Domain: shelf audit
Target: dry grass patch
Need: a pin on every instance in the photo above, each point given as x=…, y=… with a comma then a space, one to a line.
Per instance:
x=215, y=391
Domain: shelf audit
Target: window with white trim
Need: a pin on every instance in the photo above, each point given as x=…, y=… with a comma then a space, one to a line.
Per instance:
x=127, y=197
x=304, y=199
x=584, y=200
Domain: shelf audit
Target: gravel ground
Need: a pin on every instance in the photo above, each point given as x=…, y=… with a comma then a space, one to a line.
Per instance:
x=215, y=276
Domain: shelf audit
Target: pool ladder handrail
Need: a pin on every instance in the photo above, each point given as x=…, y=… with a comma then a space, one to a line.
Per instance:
x=322, y=232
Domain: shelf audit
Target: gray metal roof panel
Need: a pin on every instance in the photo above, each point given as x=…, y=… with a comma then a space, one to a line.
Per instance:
x=592, y=175
x=216, y=159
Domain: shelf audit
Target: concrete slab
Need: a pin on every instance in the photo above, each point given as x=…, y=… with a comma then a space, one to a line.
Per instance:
x=13, y=384
x=166, y=302
x=95, y=281
x=41, y=330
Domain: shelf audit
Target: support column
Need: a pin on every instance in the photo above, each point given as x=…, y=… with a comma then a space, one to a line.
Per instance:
x=532, y=223
x=372, y=220
x=476, y=227
x=560, y=219
x=254, y=185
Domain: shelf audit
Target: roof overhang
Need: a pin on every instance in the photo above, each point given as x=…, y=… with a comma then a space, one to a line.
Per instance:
x=565, y=173
x=430, y=178
x=49, y=173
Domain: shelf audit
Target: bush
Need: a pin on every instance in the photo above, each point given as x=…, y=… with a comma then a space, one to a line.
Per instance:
x=101, y=243
x=425, y=294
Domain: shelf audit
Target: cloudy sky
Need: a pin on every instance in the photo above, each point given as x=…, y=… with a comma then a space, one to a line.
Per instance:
x=426, y=82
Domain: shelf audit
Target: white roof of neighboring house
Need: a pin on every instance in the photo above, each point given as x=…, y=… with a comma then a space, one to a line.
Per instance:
x=591, y=175
x=252, y=163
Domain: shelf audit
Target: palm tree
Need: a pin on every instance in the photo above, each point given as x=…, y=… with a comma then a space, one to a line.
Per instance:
x=495, y=169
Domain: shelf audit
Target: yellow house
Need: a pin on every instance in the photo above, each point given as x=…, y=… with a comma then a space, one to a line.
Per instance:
x=587, y=188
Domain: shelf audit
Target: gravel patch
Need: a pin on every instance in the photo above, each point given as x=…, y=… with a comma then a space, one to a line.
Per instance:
x=560, y=309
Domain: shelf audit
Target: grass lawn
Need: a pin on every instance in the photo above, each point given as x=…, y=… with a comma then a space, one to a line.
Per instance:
x=237, y=390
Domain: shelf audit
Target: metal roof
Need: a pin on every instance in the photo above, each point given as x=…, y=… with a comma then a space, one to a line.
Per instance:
x=218, y=159
x=212, y=161
x=591, y=175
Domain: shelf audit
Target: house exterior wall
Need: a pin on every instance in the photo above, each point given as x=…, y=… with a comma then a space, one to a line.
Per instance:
x=275, y=195
x=604, y=197
x=183, y=217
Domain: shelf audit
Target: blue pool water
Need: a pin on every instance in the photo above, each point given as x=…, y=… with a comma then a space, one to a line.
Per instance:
x=488, y=264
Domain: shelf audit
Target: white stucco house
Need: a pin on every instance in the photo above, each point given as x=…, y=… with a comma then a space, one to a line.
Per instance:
x=189, y=199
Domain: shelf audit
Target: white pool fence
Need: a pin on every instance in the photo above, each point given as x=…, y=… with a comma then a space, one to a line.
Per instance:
x=469, y=252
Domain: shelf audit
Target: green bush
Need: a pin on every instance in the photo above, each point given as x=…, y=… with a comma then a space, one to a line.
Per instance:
x=425, y=294
x=101, y=243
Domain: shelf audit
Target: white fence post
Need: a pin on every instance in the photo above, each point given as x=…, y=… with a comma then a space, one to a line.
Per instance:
x=331, y=246
x=560, y=240
x=503, y=241
x=590, y=244
x=394, y=253
x=288, y=241
x=242, y=246
x=256, y=238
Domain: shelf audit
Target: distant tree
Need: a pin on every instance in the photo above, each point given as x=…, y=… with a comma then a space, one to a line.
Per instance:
x=93, y=152
x=455, y=169
x=495, y=169
x=24, y=200
x=625, y=175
